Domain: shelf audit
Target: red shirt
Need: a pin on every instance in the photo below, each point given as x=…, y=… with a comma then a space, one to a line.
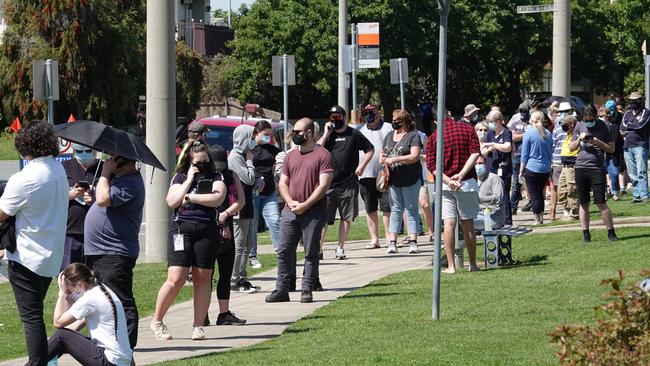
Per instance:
x=304, y=170
x=461, y=141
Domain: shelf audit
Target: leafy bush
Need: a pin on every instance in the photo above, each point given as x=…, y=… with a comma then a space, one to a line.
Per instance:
x=7, y=149
x=621, y=335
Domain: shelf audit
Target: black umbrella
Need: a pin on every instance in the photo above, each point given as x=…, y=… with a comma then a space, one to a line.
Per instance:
x=109, y=140
x=555, y=98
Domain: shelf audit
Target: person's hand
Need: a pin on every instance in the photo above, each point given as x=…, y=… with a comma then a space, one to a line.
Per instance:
x=76, y=192
x=292, y=205
x=109, y=166
x=329, y=126
x=358, y=171
x=382, y=158
x=192, y=172
x=62, y=285
x=249, y=155
x=88, y=198
x=223, y=216
x=225, y=232
x=454, y=185
x=456, y=177
x=582, y=136
x=299, y=208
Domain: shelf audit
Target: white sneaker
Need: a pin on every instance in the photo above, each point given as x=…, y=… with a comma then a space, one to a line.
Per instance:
x=160, y=331
x=413, y=248
x=254, y=263
x=198, y=334
x=340, y=253
x=392, y=248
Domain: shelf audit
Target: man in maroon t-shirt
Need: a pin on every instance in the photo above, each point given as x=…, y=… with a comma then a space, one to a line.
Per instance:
x=459, y=186
x=305, y=178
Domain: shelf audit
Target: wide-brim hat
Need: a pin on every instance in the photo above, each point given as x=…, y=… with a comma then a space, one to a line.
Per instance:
x=564, y=106
x=469, y=109
x=634, y=96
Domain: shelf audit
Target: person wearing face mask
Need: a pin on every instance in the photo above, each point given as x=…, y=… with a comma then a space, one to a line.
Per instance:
x=375, y=130
x=84, y=299
x=481, y=129
x=193, y=236
x=636, y=131
x=344, y=143
x=536, y=155
x=306, y=175
x=498, y=152
x=490, y=196
x=195, y=132
x=566, y=190
x=518, y=125
x=111, y=229
x=265, y=200
x=593, y=139
x=81, y=170
x=240, y=161
x=471, y=114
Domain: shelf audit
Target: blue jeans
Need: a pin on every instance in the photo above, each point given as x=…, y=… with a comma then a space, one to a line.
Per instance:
x=404, y=198
x=268, y=205
x=515, y=195
x=612, y=171
x=636, y=159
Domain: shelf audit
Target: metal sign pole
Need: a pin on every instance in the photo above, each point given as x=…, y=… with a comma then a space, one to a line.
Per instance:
x=647, y=82
x=285, y=92
x=442, y=84
x=355, y=50
x=49, y=90
x=401, y=82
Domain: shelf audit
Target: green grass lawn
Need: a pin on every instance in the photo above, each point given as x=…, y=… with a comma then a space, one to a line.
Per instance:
x=147, y=280
x=621, y=208
x=7, y=149
x=494, y=317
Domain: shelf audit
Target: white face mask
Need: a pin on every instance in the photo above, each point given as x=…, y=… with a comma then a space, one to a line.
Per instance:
x=74, y=296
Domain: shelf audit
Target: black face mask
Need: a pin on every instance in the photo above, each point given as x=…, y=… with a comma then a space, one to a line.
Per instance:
x=202, y=166
x=338, y=124
x=565, y=128
x=396, y=125
x=635, y=105
x=525, y=115
x=298, y=140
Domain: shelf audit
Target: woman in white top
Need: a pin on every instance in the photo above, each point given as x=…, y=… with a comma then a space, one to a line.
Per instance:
x=83, y=299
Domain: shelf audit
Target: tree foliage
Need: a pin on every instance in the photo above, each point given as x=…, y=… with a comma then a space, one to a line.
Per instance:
x=100, y=47
x=189, y=76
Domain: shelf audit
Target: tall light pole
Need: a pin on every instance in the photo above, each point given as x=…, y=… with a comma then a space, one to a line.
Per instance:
x=561, y=78
x=443, y=7
x=343, y=41
x=161, y=121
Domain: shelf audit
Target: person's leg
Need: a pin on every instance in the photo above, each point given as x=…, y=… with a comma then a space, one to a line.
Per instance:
x=554, y=183
x=410, y=195
x=470, y=241
x=372, y=222
x=290, y=233
x=241, y=253
x=606, y=215
x=80, y=347
x=425, y=203
x=612, y=173
x=202, y=292
x=507, y=181
x=257, y=208
x=515, y=196
x=598, y=187
x=225, y=262
x=450, y=243
x=176, y=277
x=396, y=209
x=642, y=172
x=29, y=292
x=563, y=191
x=348, y=201
x=536, y=192
x=331, y=198
x=584, y=216
x=632, y=166
x=271, y=214
x=370, y=197
x=572, y=198
x=245, y=233
x=117, y=273
x=583, y=185
x=310, y=225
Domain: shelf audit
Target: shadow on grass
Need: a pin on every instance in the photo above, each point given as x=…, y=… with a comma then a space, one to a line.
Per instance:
x=346, y=289
x=374, y=294
x=380, y=284
x=630, y=237
x=298, y=330
x=180, y=348
x=536, y=260
x=270, y=323
x=256, y=336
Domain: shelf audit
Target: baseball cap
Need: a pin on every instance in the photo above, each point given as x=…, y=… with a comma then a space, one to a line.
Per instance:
x=524, y=106
x=336, y=109
x=198, y=127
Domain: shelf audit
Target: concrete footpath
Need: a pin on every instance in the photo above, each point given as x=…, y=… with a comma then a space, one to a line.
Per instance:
x=267, y=321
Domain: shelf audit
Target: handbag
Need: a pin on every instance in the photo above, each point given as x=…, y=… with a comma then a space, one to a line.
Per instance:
x=8, y=234
x=383, y=179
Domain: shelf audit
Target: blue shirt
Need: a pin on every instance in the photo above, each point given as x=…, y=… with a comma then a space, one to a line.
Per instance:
x=498, y=159
x=536, y=152
x=114, y=230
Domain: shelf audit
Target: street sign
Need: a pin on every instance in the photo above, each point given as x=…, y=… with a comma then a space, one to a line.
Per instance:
x=368, y=45
x=527, y=9
x=348, y=52
x=39, y=80
x=395, y=76
x=276, y=68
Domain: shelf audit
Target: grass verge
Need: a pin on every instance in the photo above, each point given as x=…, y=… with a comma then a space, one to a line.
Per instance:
x=147, y=279
x=494, y=317
x=7, y=149
x=621, y=208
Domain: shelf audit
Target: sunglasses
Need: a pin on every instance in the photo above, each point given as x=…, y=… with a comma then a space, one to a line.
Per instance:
x=481, y=130
x=84, y=151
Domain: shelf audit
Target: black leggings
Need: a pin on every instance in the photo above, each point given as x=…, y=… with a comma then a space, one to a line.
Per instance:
x=536, y=183
x=225, y=262
x=82, y=348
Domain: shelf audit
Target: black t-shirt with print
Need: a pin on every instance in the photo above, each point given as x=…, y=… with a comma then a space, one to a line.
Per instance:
x=345, y=147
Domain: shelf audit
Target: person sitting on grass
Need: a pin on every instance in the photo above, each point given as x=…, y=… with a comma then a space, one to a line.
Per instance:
x=83, y=299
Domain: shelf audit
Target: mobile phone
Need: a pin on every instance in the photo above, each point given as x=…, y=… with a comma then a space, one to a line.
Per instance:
x=204, y=186
x=83, y=184
x=589, y=137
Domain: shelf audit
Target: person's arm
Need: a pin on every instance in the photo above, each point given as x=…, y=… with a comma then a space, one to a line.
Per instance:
x=242, y=166
x=283, y=187
x=575, y=142
x=366, y=159
x=213, y=199
x=236, y=206
x=177, y=192
x=62, y=316
x=3, y=216
x=103, y=187
x=505, y=147
x=412, y=158
x=329, y=127
x=469, y=164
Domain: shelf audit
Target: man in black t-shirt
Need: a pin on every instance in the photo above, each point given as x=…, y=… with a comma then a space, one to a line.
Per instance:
x=344, y=143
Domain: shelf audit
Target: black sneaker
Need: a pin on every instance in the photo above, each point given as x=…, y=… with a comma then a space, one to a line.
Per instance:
x=586, y=238
x=612, y=237
x=320, y=256
x=277, y=296
x=229, y=318
x=247, y=287
x=306, y=297
x=318, y=286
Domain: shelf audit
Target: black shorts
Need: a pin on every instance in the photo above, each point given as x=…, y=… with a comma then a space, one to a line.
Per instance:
x=200, y=245
x=372, y=198
x=344, y=199
x=588, y=180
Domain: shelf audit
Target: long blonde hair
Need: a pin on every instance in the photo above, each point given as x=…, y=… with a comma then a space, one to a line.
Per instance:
x=537, y=120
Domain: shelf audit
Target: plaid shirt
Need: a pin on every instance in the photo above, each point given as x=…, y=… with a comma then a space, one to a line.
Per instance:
x=461, y=141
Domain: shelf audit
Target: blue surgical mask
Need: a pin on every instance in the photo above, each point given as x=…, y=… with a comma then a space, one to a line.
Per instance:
x=492, y=126
x=252, y=144
x=480, y=169
x=475, y=117
x=85, y=158
x=590, y=124
x=265, y=139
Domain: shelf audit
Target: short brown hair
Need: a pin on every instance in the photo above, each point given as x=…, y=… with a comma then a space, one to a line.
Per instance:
x=405, y=117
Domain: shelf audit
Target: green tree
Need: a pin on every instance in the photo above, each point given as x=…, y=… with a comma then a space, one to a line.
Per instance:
x=189, y=76
x=100, y=47
x=217, y=79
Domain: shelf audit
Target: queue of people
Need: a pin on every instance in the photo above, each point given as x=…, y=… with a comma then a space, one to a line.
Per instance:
x=90, y=211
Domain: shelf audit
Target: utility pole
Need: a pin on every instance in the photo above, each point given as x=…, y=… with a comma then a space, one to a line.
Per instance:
x=343, y=41
x=161, y=121
x=443, y=7
x=355, y=62
x=561, y=78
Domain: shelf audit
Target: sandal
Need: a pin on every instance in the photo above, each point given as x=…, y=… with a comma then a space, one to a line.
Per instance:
x=373, y=246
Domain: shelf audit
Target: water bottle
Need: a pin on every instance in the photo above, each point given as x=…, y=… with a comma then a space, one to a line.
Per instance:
x=487, y=219
x=54, y=361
